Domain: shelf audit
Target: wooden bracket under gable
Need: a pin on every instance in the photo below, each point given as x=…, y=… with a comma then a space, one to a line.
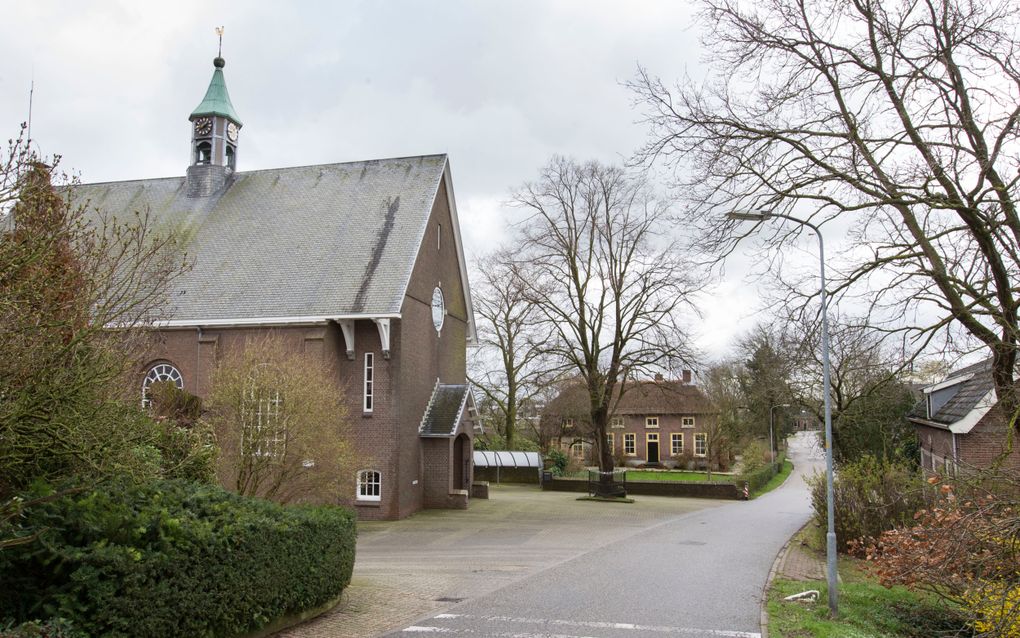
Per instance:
x=384, y=336
x=347, y=327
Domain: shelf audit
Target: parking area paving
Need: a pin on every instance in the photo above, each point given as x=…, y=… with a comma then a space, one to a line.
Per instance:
x=417, y=567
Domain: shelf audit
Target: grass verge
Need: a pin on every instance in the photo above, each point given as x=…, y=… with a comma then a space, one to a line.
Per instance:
x=775, y=481
x=866, y=609
x=682, y=476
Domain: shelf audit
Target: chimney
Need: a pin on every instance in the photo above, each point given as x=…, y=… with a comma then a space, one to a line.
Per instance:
x=687, y=376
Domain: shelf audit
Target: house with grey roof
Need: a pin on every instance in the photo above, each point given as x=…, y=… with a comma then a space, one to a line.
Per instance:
x=358, y=264
x=960, y=423
x=654, y=423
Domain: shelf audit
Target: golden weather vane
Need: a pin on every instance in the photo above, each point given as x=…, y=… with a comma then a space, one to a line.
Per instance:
x=219, y=32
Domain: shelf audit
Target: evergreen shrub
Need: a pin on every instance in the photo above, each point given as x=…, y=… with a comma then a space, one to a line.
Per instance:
x=174, y=558
x=870, y=496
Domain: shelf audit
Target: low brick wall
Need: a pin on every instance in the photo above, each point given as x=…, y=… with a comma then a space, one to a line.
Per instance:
x=654, y=488
x=507, y=474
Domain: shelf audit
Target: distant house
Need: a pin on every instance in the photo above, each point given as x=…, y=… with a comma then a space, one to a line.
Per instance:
x=658, y=423
x=358, y=265
x=959, y=422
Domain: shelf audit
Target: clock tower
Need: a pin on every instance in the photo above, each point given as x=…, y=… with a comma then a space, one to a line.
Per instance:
x=215, y=128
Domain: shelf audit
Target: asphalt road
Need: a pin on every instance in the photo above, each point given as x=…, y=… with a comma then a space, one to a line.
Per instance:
x=695, y=575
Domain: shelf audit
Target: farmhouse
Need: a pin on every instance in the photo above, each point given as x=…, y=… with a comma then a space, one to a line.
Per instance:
x=358, y=264
x=660, y=422
x=960, y=423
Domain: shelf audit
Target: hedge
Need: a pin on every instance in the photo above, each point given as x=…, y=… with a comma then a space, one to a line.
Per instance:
x=175, y=558
x=759, y=478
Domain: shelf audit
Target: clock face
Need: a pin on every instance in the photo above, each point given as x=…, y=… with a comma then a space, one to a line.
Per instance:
x=232, y=132
x=438, y=309
x=203, y=125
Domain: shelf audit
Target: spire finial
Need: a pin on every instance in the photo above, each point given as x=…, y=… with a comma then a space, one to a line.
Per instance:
x=219, y=32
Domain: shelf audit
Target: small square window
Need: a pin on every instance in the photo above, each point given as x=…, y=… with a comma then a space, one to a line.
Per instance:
x=568, y=424
x=652, y=422
x=687, y=422
x=616, y=422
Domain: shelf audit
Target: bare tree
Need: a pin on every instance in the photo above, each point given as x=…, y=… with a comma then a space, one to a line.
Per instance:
x=605, y=278
x=869, y=396
x=898, y=118
x=68, y=274
x=508, y=367
x=280, y=422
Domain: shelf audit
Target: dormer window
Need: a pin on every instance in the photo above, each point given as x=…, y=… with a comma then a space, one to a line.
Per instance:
x=203, y=153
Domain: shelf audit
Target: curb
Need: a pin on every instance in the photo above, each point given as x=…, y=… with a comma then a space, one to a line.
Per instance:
x=780, y=557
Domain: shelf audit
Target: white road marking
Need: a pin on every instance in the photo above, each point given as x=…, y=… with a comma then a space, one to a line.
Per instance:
x=591, y=624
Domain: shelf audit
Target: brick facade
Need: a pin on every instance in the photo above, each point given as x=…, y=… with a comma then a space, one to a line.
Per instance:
x=414, y=473
x=984, y=445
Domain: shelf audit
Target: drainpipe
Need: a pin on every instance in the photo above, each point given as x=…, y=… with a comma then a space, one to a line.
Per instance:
x=956, y=458
x=198, y=359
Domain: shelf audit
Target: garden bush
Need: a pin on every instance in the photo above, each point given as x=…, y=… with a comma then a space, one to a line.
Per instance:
x=755, y=456
x=54, y=628
x=173, y=558
x=559, y=461
x=870, y=496
x=762, y=474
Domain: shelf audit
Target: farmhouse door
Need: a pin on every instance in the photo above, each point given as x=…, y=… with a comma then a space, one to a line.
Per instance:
x=653, y=449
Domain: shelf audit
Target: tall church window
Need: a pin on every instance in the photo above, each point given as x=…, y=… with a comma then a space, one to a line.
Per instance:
x=369, y=381
x=263, y=431
x=159, y=373
x=369, y=485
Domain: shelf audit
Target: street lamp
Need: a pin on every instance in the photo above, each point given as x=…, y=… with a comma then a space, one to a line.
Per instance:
x=830, y=536
x=772, y=420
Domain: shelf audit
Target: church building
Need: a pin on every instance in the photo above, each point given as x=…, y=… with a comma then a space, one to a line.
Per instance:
x=358, y=264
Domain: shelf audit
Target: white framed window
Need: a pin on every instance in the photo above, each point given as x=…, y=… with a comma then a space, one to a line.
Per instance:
x=687, y=422
x=616, y=422
x=159, y=373
x=676, y=443
x=369, y=395
x=369, y=485
x=577, y=450
x=652, y=422
x=611, y=443
x=701, y=444
x=630, y=444
x=568, y=424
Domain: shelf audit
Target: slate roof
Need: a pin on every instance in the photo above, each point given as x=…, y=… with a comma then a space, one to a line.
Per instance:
x=965, y=399
x=641, y=397
x=445, y=409
x=326, y=240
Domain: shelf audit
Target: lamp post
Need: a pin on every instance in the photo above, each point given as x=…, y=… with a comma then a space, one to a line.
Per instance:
x=772, y=421
x=830, y=536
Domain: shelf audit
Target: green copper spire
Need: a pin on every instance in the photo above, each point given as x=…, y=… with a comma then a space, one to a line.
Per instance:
x=217, y=100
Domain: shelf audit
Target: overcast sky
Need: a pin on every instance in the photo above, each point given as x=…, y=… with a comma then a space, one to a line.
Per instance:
x=500, y=87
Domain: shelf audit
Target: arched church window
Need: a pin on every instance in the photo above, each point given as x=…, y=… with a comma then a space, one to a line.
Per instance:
x=230, y=157
x=158, y=373
x=204, y=152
